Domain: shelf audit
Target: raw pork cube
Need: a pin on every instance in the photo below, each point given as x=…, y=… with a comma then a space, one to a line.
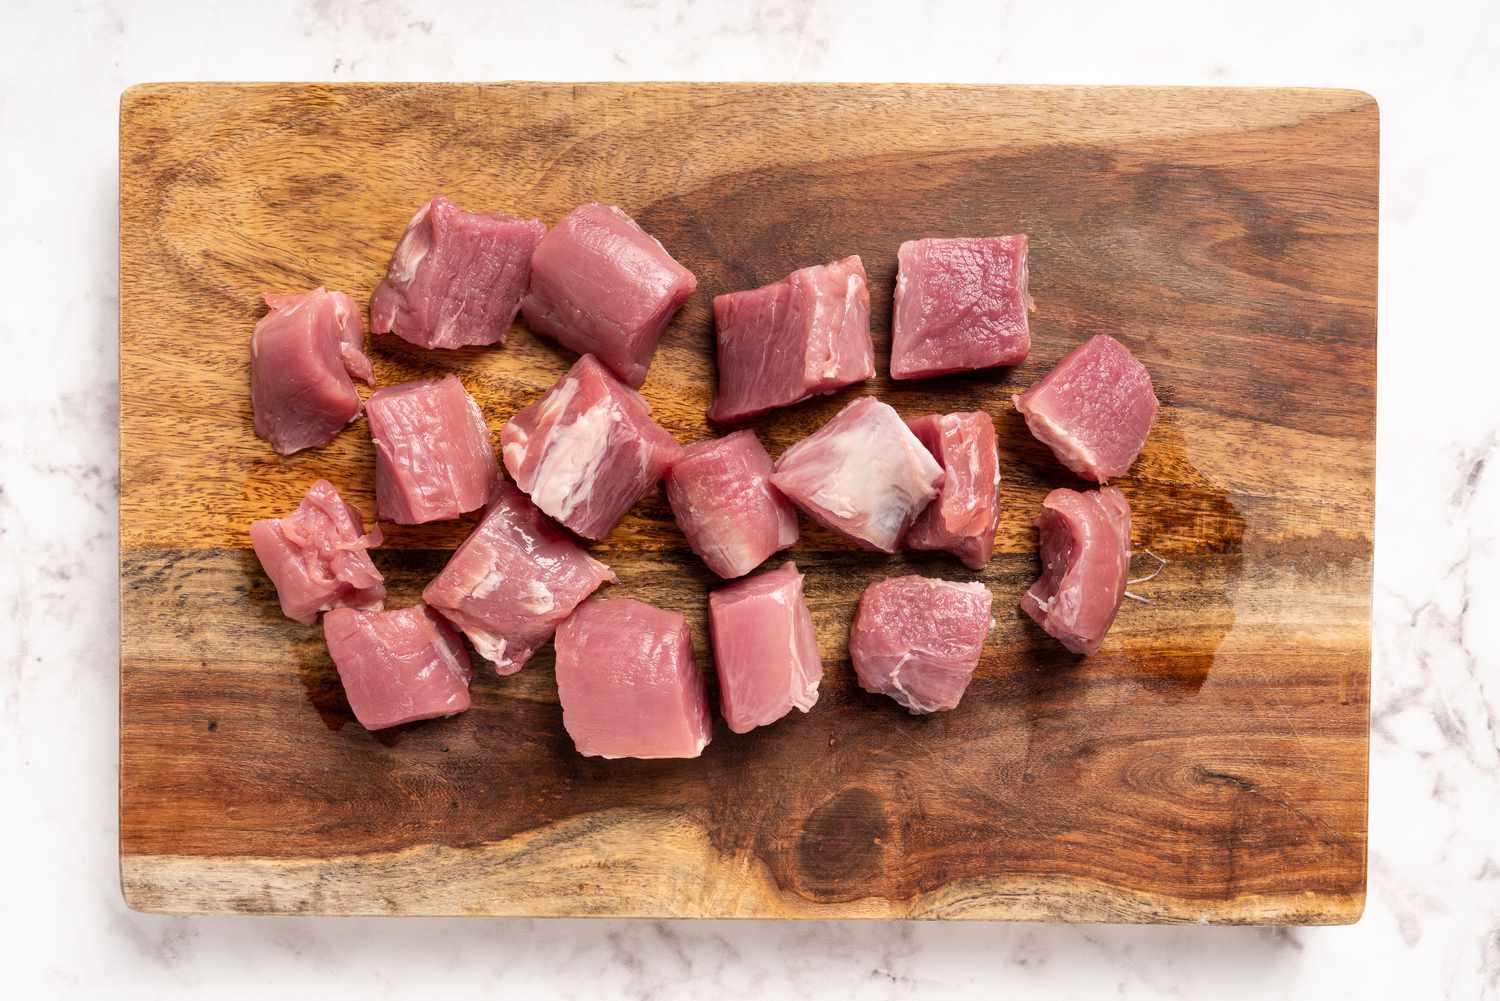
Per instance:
x=588, y=450
x=433, y=458
x=960, y=305
x=628, y=683
x=513, y=580
x=765, y=648
x=863, y=474
x=318, y=556
x=721, y=493
x=1094, y=410
x=1085, y=551
x=601, y=285
x=805, y=335
x=963, y=518
x=456, y=277
x=398, y=666
x=918, y=640
x=304, y=357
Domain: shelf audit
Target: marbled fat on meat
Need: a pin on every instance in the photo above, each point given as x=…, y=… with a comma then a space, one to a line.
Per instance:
x=1085, y=553
x=304, y=357
x=918, y=640
x=722, y=497
x=318, y=556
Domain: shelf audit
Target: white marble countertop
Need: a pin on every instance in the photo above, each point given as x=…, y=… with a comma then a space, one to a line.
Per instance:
x=1432, y=927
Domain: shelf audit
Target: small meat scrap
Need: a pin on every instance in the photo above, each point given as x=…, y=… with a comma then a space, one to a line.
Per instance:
x=398, y=666
x=963, y=518
x=601, y=285
x=318, y=556
x=721, y=493
x=863, y=474
x=800, y=337
x=1094, y=410
x=456, y=277
x=1085, y=552
x=628, y=682
x=765, y=648
x=433, y=458
x=587, y=450
x=918, y=640
x=961, y=304
x=513, y=580
x=304, y=357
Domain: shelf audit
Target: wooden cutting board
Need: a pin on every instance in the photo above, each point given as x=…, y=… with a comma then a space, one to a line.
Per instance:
x=1209, y=764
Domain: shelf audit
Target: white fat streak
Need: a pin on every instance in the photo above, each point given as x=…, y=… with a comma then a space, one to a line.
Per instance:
x=1061, y=438
x=408, y=256
x=571, y=456
x=488, y=645
x=871, y=479
x=539, y=598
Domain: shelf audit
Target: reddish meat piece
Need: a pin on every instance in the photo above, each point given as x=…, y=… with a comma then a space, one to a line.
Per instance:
x=398, y=666
x=1094, y=410
x=304, y=357
x=628, y=683
x=960, y=305
x=963, y=518
x=1085, y=551
x=433, y=458
x=765, y=648
x=918, y=640
x=721, y=493
x=318, y=556
x=805, y=335
x=456, y=277
x=601, y=285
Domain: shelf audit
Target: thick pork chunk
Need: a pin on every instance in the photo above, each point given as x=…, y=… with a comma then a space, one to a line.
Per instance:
x=721, y=493
x=304, y=357
x=1085, y=551
x=765, y=649
x=961, y=304
x=963, y=518
x=318, y=556
x=398, y=666
x=433, y=458
x=918, y=640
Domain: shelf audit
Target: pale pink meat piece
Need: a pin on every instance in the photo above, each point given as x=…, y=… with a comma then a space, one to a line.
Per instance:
x=1094, y=410
x=863, y=474
x=918, y=640
x=601, y=285
x=962, y=519
x=806, y=335
x=628, y=682
x=513, y=580
x=318, y=556
x=765, y=648
x=961, y=305
x=721, y=494
x=456, y=278
x=433, y=458
x=1085, y=553
x=398, y=666
x=587, y=450
x=304, y=357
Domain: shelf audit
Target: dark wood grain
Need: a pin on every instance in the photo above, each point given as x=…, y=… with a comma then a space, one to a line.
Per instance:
x=1208, y=764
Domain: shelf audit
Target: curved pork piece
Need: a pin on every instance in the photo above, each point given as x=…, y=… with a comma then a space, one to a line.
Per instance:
x=961, y=305
x=1085, y=551
x=318, y=556
x=304, y=357
x=721, y=495
x=963, y=518
x=918, y=640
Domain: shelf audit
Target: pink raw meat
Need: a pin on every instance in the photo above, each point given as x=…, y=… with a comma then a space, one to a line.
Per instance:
x=318, y=556
x=398, y=666
x=1094, y=410
x=721, y=493
x=456, y=277
x=587, y=450
x=961, y=304
x=601, y=285
x=304, y=357
x=433, y=458
x=765, y=648
x=628, y=683
x=1085, y=551
x=918, y=640
x=963, y=518
x=513, y=580
x=863, y=474
x=805, y=335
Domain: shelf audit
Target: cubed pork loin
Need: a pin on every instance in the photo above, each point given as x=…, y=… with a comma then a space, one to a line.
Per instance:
x=318, y=556
x=918, y=640
x=601, y=285
x=513, y=580
x=802, y=336
x=398, y=666
x=587, y=450
x=961, y=304
x=433, y=458
x=765, y=648
x=629, y=684
x=963, y=518
x=1085, y=553
x=304, y=357
x=721, y=493
x=863, y=474
x=1094, y=410
x=456, y=277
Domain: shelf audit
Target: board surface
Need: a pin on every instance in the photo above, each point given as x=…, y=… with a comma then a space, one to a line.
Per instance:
x=1210, y=763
